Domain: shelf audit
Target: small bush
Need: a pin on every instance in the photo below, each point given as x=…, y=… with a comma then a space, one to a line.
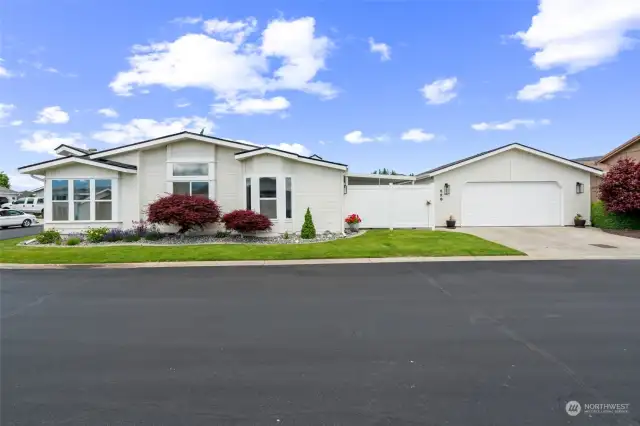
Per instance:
x=74, y=241
x=113, y=235
x=601, y=218
x=131, y=236
x=620, y=187
x=246, y=221
x=221, y=234
x=48, y=237
x=95, y=235
x=153, y=235
x=185, y=211
x=308, y=229
x=286, y=235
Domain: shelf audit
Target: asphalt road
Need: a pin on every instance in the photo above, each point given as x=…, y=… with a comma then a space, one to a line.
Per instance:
x=473, y=343
x=18, y=232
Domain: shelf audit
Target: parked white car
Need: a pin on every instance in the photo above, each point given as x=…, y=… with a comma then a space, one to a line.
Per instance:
x=27, y=204
x=10, y=217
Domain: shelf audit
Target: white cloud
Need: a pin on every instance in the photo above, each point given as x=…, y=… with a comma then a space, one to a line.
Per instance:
x=108, y=112
x=382, y=48
x=546, y=88
x=43, y=141
x=140, y=129
x=510, y=125
x=182, y=103
x=187, y=20
x=16, y=123
x=296, y=148
x=233, y=69
x=237, y=31
x=357, y=137
x=4, y=73
x=5, y=110
x=53, y=115
x=440, y=91
x=578, y=34
x=417, y=135
x=20, y=182
x=252, y=106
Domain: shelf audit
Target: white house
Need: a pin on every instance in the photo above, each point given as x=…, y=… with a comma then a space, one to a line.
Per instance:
x=510, y=186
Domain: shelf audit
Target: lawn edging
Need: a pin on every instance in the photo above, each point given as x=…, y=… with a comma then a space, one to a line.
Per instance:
x=373, y=244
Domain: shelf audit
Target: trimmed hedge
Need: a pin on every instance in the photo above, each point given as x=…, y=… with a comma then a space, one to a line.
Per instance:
x=601, y=218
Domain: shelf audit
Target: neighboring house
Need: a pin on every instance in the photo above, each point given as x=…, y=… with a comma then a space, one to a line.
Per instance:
x=629, y=149
x=512, y=185
x=7, y=195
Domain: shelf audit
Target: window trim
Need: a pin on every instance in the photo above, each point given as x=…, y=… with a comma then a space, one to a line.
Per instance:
x=261, y=198
x=281, y=195
x=191, y=182
x=210, y=178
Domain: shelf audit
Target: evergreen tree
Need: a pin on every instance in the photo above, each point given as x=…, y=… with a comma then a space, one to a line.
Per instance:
x=308, y=229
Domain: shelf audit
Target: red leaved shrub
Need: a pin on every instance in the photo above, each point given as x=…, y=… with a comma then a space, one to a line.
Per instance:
x=185, y=211
x=246, y=221
x=620, y=188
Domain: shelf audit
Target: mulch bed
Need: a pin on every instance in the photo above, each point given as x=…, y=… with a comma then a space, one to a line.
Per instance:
x=632, y=233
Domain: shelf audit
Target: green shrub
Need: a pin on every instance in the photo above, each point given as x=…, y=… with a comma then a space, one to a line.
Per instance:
x=221, y=234
x=131, y=237
x=48, y=237
x=96, y=235
x=153, y=235
x=73, y=241
x=286, y=235
x=601, y=218
x=308, y=229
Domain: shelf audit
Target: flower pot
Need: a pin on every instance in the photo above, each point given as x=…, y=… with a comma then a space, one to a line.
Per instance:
x=451, y=224
x=354, y=227
x=579, y=223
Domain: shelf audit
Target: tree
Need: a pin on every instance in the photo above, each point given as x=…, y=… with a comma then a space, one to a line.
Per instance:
x=4, y=180
x=620, y=188
x=385, y=171
x=185, y=211
x=308, y=229
x=246, y=221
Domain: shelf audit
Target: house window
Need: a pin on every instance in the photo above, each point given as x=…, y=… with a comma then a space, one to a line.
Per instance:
x=190, y=169
x=82, y=199
x=248, y=193
x=191, y=188
x=287, y=189
x=103, y=199
x=60, y=199
x=269, y=197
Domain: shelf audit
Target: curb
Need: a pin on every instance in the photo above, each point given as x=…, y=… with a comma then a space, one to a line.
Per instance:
x=18, y=266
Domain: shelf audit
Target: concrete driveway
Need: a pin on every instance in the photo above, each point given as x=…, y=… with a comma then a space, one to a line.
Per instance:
x=556, y=242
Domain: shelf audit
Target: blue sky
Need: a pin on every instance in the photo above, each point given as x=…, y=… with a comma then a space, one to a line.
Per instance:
x=406, y=85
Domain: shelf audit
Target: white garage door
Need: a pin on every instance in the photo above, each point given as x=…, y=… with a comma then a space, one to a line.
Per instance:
x=511, y=204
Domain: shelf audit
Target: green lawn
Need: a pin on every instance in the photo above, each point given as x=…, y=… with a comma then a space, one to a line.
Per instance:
x=375, y=243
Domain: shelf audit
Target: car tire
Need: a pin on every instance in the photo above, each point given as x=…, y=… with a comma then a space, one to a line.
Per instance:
x=3, y=227
x=26, y=223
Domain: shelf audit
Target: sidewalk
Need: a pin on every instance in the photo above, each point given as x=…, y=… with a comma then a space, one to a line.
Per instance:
x=314, y=262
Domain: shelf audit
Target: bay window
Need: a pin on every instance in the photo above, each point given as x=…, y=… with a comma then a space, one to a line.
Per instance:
x=271, y=196
x=248, y=193
x=82, y=199
x=191, y=188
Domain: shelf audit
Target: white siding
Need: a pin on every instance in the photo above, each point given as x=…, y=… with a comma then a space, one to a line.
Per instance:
x=74, y=170
x=129, y=194
x=229, y=180
x=513, y=166
x=152, y=175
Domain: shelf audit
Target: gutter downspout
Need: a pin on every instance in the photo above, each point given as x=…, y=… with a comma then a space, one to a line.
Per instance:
x=37, y=178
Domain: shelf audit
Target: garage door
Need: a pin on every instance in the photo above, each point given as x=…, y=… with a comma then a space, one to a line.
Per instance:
x=511, y=204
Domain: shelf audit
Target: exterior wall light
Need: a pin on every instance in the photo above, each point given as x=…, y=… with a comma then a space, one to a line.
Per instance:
x=447, y=189
x=579, y=187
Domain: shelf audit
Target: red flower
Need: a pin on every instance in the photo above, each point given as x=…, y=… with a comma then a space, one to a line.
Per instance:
x=353, y=218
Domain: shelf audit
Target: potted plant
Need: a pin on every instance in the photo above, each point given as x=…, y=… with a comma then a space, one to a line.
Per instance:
x=353, y=220
x=451, y=222
x=579, y=221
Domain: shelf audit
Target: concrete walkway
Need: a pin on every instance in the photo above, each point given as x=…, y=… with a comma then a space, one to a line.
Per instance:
x=561, y=242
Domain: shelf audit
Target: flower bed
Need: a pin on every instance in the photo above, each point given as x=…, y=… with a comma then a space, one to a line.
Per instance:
x=174, y=239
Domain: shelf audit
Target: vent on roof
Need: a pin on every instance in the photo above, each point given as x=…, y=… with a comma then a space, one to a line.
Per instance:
x=92, y=150
x=316, y=156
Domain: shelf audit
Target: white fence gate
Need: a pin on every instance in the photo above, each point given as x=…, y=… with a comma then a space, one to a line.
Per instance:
x=391, y=206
